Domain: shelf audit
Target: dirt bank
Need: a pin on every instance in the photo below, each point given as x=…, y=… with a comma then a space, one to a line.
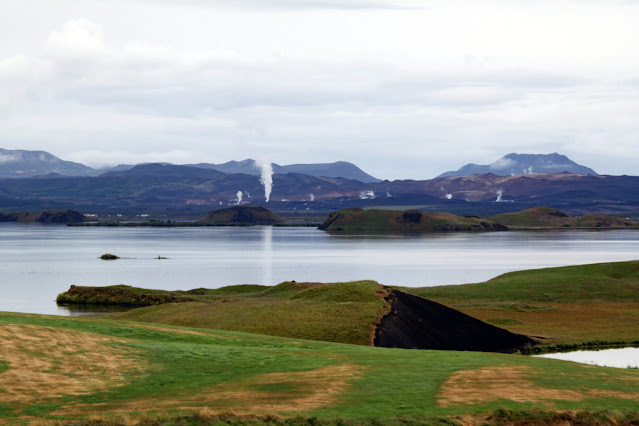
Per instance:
x=417, y=323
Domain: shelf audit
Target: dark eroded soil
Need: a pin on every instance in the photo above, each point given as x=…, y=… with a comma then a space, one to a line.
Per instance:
x=417, y=323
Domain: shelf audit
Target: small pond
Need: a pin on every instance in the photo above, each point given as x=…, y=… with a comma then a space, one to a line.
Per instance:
x=619, y=358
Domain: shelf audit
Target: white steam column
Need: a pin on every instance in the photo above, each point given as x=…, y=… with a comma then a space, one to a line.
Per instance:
x=266, y=176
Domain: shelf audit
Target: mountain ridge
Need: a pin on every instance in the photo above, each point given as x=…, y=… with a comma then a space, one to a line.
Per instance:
x=523, y=164
x=24, y=163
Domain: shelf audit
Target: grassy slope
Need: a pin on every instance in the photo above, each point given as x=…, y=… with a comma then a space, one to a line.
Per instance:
x=336, y=312
x=184, y=371
x=573, y=304
x=546, y=217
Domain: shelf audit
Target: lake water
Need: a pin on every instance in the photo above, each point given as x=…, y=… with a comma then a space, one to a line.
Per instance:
x=620, y=358
x=37, y=262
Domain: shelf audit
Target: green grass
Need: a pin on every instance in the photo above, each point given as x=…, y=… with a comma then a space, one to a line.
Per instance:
x=618, y=281
x=573, y=305
x=185, y=373
x=336, y=312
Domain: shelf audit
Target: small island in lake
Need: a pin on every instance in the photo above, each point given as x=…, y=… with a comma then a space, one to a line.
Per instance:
x=241, y=216
x=409, y=220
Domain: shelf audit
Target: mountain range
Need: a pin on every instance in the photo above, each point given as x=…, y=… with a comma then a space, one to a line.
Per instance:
x=173, y=190
x=23, y=164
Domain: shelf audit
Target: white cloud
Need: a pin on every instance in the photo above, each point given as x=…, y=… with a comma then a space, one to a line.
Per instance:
x=77, y=37
x=501, y=164
x=403, y=93
x=9, y=158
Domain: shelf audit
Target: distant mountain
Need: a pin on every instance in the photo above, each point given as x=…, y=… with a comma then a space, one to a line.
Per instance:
x=338, y=169
x=524, y=164
x=21, y=164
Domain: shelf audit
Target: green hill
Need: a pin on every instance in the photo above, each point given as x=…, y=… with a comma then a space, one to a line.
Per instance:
x=337, y=312
x=546, y=217
x=409, y=220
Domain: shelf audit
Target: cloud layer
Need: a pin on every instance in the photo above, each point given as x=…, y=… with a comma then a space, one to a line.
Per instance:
x=405, y=90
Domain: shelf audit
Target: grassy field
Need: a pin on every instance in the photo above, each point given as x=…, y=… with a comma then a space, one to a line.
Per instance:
x=335, y=312
x=568, y=305
x=101, y=371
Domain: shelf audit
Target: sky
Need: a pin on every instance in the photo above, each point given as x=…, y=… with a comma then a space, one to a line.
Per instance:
x=405, y=89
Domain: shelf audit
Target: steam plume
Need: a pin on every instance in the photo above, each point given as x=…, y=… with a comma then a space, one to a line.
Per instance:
x=266, y=177
x=239, y=197
x=499, y=194
x=311, y=197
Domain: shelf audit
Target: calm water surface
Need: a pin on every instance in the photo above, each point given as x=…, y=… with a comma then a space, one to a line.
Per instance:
x=620, y=358
x=37, y=262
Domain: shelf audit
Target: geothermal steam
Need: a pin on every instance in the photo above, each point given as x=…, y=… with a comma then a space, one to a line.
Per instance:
x=266, y=177
x=239, y=197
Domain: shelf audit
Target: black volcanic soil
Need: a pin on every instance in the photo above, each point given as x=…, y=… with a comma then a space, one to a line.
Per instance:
x=417, y=323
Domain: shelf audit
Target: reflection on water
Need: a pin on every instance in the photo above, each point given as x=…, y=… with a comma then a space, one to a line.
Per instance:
x=88, y=309
x=267, y=254
x=620, y=358
x=38, y=262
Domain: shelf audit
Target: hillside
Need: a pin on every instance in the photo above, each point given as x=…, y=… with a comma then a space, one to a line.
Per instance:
x=151, y=374
x=524, y=164
x=18, y=163
x=242, y=216
x=46, y=216
x=409, y=220
x=566, y=305
x=545, y=217
x=361, y=312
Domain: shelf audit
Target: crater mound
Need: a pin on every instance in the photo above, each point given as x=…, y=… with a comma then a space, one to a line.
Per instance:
x=242, y=216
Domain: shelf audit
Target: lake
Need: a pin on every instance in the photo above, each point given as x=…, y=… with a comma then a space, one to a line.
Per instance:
x=38, y=261
x=619, y=357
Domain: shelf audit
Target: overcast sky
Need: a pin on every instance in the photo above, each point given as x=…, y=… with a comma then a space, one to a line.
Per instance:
x=404, y=89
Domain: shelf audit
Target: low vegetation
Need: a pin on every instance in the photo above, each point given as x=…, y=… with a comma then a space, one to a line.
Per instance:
x=336, y=312
x=573, y=305
x=59, y=370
